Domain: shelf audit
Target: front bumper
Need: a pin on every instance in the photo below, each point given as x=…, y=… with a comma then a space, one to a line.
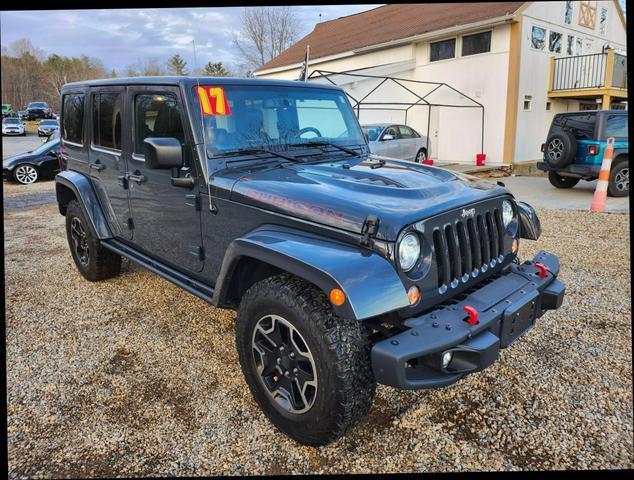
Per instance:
x=12, y=132
x=507, y=308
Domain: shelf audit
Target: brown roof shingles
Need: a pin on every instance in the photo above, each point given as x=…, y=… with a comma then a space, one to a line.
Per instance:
x=387, y=23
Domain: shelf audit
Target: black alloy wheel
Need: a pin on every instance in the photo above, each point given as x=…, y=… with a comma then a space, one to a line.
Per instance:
x=285, y=364
x=80, y=241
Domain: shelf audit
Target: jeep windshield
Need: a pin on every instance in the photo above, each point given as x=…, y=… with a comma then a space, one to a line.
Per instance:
x=241, y=118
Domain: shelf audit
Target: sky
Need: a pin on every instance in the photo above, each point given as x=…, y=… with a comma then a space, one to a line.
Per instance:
x=121, y=37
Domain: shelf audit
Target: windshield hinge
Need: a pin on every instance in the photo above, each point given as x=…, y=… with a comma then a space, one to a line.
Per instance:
x=369, y=230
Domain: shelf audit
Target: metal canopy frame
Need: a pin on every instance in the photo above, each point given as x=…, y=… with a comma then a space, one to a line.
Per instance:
x=400, y=106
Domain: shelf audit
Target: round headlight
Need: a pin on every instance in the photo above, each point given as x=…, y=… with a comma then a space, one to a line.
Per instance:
x=507, y=212
x=408, y=251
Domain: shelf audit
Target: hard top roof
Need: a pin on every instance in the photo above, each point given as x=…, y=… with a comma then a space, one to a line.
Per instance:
x=191, y=81
x=591, y=112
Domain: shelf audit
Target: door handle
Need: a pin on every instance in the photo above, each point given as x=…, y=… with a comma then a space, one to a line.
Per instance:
x=137, y=177
x=97, y=166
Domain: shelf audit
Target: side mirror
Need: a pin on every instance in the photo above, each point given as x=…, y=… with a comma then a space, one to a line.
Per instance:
x=387, y=136
x=163, y=153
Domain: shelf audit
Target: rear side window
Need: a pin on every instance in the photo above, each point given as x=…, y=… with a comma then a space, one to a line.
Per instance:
x=407, y=132
x=73, y=112
x=106, y=120
x=616, y=126
x=581, y=126
x=156, y=116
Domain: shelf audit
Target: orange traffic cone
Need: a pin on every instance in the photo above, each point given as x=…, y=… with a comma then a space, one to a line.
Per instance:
x=600, y=194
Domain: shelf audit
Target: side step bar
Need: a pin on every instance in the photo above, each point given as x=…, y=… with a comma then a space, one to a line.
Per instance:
x=202, y=291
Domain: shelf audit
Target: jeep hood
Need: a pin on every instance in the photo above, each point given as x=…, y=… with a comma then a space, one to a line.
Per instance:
x=399, y=193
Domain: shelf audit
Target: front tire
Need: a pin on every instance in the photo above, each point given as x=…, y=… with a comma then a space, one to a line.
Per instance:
x=93, y=261
x=309, y=370
x=619, y=182
x=559, y=181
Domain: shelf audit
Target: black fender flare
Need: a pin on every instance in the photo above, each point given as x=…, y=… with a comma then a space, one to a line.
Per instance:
x=369, y=281
x=81, y=186
x=530, y=226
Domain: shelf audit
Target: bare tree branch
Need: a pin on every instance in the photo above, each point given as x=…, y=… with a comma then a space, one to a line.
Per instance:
x=266, y=32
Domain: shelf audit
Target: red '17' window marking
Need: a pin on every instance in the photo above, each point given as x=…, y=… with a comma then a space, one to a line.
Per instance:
x=213, y=101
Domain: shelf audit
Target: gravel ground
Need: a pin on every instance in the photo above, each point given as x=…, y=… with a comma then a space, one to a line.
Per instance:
x=135, y=377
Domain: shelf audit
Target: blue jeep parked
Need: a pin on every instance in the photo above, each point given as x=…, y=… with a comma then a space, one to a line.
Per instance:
x=575, y=146
x=347, y=269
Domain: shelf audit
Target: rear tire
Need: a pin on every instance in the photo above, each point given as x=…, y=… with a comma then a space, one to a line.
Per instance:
x=26, y=174
x=558, y=181
x=93, y=261
x=328, y=362
x=619, y=182
x=421, y=156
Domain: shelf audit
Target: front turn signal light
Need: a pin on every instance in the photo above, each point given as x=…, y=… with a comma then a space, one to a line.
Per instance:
x=413, y=295
x=337, y=297
x=515, y=245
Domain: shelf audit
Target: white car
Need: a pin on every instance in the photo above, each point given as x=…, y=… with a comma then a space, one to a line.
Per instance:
x=12, y=126
x=397, y=141
x=46, y=127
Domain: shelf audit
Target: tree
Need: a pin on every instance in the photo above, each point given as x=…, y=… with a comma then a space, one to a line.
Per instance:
x=113, y=73
x=266, y=32
x=215, y=70
x=60, y=70
x=176, y=65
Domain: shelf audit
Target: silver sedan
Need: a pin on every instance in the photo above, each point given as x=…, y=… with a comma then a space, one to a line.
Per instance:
x=396, y=141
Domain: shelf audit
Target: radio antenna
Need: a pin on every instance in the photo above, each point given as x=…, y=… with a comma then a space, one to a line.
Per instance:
x=204, y=163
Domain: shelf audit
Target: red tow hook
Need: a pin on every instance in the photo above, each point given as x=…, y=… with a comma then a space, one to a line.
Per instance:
x=543, y=271
x=473, y=315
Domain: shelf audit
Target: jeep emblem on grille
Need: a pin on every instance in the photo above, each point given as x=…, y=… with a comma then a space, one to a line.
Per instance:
x=468, y=213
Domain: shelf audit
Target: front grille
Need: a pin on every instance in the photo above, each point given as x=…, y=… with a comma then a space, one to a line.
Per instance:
x=468, y=247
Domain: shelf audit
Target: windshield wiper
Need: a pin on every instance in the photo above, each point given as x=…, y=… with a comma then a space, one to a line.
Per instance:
x=326, y=144
x=248, y=150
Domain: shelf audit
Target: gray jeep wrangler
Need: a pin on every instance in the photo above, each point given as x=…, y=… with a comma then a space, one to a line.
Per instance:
x=346, y=269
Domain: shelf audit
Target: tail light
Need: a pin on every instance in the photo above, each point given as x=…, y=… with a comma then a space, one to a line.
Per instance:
x=593, y=149
x=543, y=147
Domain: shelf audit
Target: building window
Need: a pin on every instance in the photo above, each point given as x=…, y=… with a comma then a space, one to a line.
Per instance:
x=570, y=44
x=578, y=46
x=587, y=106
x=477, y=43
x=442, y=50
x=527, y=102
x=538, y=38
x=603, y=20
x=554, y=42
x=568, y=15
x=547, y=105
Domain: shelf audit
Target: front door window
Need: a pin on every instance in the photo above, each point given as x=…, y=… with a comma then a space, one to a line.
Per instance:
x=156, y=116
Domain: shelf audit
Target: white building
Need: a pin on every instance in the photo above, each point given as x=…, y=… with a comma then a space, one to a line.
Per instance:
x=523, y=61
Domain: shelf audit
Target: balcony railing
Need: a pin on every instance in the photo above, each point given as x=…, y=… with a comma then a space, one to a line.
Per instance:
x=588, y=72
